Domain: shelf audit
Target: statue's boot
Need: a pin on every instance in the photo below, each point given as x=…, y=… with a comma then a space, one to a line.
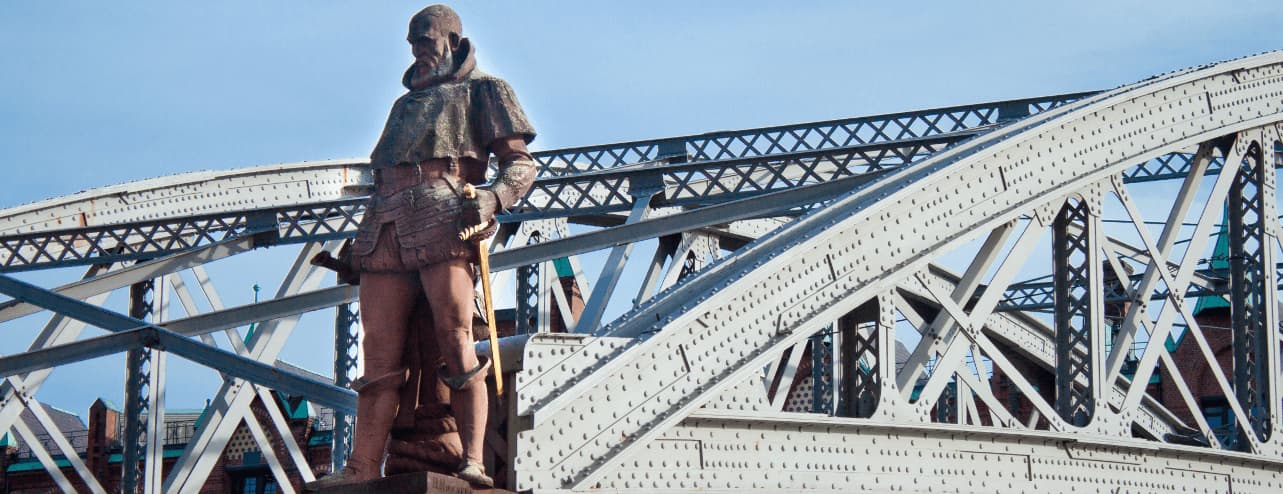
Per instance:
x=470, y=403
x=376, y=405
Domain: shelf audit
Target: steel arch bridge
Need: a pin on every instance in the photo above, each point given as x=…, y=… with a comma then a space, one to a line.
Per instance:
x=1018, y=246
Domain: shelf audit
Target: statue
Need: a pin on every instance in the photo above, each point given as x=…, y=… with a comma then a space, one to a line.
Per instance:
x=416, y=274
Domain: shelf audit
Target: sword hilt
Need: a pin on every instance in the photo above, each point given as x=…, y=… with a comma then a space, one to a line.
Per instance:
x=467, y=232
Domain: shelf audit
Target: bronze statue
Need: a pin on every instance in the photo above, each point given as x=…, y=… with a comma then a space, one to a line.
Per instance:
x=438, y=137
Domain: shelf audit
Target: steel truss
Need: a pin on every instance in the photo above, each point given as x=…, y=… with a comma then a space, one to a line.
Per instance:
x=838, y=227
x=770, y=298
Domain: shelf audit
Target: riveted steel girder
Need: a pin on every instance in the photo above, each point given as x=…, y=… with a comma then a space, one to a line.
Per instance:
x=593, y=413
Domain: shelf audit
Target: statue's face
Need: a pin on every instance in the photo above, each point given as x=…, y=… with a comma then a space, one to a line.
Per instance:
x=432, y=49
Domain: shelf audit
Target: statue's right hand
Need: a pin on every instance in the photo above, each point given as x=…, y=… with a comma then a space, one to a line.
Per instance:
x=478, y=213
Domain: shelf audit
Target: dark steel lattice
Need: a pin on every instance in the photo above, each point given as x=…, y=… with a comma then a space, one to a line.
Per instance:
x=137, y=393
x=528, y=288
x=861, y=366
x=703, y=182
x=1074, y=260
x=1039, y=295
x=347, y=350
x=797, y=137
x=822, y=373
x=1248, y=293
x=690, y=265
x=946, y=410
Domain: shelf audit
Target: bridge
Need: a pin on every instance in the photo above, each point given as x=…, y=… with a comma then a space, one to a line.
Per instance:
x=1033, y=258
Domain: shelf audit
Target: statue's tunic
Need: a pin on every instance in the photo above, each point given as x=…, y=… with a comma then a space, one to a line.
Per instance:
x=456, y=119
x=450, y=122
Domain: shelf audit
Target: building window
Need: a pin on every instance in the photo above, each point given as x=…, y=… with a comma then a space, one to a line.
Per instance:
x=260, y=484
x=1220, y=418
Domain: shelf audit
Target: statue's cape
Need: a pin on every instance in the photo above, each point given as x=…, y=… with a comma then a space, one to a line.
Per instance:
x=455, y=116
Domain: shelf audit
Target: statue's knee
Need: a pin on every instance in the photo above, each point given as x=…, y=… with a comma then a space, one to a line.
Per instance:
x=456, y=347
x=457, y=334
x=467, y=380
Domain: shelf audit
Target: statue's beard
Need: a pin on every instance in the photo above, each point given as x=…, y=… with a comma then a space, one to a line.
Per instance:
x=454, y=64
x=443, y=68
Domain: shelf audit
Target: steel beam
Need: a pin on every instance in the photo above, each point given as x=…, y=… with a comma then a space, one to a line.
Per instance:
x=144, y=334
x=144, y=299
x=105, y=282
x=614, y=267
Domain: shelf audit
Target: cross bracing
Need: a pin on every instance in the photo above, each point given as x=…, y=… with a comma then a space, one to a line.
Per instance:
x=836, y=233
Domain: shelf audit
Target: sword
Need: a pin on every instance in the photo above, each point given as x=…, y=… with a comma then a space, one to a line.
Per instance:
x=483, y=257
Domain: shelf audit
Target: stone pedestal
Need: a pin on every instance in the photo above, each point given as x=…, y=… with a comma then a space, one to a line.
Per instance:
x=412, y=483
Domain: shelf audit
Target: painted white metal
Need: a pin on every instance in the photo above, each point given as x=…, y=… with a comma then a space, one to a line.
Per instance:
x=190, y=194
x=756, y=452
x=59, y=329
x=780, y=290
x=1171, y=229
x=155, y=449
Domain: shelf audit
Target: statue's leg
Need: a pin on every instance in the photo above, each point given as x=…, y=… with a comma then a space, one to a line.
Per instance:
x=386, y=301
x=430, y=439
x=414, y=360
x=449, y=288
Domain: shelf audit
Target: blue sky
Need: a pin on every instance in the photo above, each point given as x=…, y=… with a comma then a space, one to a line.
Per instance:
x=97, y=93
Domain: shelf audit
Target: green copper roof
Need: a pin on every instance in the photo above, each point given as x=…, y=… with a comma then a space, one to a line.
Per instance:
x=562, y=265
x=167, y=453
x=32, y=465
x=1220, y=262
x=302, y=411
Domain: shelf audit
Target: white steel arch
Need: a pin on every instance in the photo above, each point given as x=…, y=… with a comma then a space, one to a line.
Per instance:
x=604, y=416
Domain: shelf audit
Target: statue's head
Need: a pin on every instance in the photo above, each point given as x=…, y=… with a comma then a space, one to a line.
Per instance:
x=435, y=34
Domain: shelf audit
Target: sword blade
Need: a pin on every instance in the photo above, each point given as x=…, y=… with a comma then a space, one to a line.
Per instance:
x=483, y=256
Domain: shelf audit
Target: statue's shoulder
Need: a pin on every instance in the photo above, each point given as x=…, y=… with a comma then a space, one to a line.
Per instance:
x=477, y=76
x=488, y=91
x=481, y=80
